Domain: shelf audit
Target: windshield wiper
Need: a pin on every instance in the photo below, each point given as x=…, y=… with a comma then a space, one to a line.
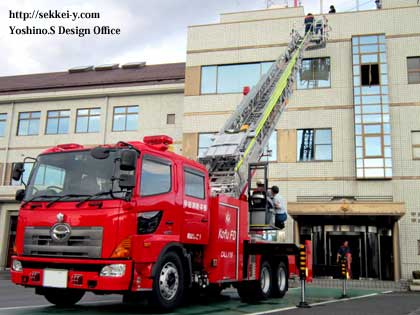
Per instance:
x=64, y=196
x=34, y=199
x=102, y=193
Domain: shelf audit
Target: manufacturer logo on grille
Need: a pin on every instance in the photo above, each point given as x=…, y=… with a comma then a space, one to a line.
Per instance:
x=60, y=232
x=60, y=217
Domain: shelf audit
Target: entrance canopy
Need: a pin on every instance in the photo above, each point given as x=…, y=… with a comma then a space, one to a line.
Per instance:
x=346, y=207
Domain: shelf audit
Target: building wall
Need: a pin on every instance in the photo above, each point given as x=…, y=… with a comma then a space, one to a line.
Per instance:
x=261, y=36
x=154, y=102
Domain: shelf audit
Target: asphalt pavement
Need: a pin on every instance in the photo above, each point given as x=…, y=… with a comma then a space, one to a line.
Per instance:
x=16, y=300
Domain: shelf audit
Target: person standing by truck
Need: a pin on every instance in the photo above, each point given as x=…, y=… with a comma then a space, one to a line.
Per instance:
x=280, y=207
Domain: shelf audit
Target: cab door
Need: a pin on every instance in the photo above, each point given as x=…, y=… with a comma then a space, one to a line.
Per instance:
x=195, y=228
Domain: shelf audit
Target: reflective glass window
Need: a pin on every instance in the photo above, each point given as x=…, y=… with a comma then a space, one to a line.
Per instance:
x=125, y=118
x=270, y=151
x=208, y=79
x=314, y=73
x=204, y=142
x=194, y=183
x=88, y=120
x=155, y=177
x=58, y=122
x=28, y=123
x=373, y=146
x=3, y=120
x=233, y=78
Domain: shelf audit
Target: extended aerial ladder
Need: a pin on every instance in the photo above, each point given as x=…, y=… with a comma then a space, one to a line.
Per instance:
x=242, y=139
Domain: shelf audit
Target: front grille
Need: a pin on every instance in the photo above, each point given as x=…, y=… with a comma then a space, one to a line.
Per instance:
x=85, y=242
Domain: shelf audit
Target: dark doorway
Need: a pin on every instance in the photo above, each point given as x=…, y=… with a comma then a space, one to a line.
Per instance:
x=12, y=238
x=386, y=257
x=335, y=240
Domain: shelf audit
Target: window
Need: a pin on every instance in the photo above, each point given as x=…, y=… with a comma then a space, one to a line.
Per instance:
x=170, y=119
x=88, y=120
x=204, y=142
x=28, y=124
x=126, y=118
x=370, y=74
x=155, y=177
x=57, y=122
x=3, y=119
x=413, y=70
x=314, y=73
x=194, y=183
x=270, y=151
x=415, y=140
x=231, y=78
x=314, y=145
x=25, y=176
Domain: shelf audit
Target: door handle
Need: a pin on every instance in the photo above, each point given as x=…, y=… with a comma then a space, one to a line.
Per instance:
x=169, y=222
x=204, y=220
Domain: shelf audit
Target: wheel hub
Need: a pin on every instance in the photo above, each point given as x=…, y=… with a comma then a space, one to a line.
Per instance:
x=169, y=281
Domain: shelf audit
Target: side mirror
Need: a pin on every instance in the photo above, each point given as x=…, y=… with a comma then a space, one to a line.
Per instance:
x=127, y=181
x=128, y=160
x=18, y=170
x=20, y=194
x=99, y=153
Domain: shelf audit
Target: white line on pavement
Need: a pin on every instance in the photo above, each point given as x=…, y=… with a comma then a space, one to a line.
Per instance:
x=319, y=303
x=45, y=305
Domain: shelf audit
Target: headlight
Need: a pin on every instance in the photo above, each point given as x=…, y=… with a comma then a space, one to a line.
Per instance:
x=17, y=265
x=148, y=222
x=115, y=270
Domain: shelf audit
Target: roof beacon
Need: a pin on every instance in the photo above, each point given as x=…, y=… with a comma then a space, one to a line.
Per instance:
x=160, y=142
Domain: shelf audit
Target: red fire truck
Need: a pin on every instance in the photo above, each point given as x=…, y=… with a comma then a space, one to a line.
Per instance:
x=134, y=218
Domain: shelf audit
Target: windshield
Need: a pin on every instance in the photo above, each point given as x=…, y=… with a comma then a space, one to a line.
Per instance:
x=76, y=174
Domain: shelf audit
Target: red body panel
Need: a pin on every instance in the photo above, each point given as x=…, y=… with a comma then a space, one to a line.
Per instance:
x=223, y=256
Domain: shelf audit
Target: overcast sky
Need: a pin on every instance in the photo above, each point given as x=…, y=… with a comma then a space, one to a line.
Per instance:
x=153, y=31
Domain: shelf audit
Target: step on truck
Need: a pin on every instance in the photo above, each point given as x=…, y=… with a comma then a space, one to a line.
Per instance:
x=136, y=219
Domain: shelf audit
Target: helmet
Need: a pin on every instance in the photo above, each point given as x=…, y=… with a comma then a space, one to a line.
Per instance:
x=260, y=182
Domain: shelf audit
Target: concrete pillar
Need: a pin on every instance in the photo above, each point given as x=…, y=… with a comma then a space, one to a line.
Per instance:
x=396, y=251
x=296, y=236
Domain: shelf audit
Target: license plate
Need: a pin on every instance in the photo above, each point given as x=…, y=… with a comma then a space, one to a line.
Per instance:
x=55, y=278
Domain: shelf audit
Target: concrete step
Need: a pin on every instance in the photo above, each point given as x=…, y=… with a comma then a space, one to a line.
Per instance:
x=414, y=287
x=416, y=281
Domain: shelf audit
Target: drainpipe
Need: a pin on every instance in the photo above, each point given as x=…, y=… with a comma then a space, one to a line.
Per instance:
x=6, y=152
x=106, y=118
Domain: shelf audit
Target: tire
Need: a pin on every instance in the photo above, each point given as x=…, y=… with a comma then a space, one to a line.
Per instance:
x=252, y=291
x=280, y=280
x=168, y=283
x=63, y=297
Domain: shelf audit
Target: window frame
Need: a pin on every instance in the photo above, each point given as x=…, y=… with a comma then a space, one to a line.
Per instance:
x=170, y=115
x=198, y=141
x=158, y=160
x=314, y=145
x=28, y=119
x=59, y=117
x=89, y=109
x=193, y=171
x=416, y=70
x=217, y=66
x=315, y=88
x=125, y=114
x=3, y=120
x=276, y=156
x=414, y=146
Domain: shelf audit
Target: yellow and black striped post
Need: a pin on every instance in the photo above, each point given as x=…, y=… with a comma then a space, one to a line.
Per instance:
x=344, y=273
x=301, y=264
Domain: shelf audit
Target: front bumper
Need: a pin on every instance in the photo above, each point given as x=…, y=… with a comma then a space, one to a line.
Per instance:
x=82, y=274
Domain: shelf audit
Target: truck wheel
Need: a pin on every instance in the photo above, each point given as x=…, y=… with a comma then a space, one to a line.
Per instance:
x=63, y=297
x=266, y=276
x=168, y=283
x=257, y=290
x=280, y=280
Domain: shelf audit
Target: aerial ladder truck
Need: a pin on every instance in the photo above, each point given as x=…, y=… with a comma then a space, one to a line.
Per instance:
x=136, y=219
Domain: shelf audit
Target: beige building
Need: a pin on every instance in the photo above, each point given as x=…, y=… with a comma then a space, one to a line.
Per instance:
x=346, y=153
x=86, y=106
